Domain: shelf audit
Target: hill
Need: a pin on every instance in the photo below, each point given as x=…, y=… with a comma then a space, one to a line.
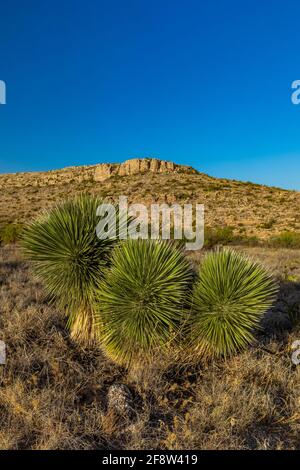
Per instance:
x=252, y=210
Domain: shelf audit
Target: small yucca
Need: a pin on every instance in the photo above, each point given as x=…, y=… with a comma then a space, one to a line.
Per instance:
x=140, y=301
x=69, y=258
x=229, y=298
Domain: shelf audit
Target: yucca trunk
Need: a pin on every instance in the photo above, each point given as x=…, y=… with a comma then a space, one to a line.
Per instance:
x=82, y=326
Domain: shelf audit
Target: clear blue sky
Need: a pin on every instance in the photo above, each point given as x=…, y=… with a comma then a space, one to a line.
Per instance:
x=202, y=83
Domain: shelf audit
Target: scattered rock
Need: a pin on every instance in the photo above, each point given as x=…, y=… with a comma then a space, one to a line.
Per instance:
x=120, y=400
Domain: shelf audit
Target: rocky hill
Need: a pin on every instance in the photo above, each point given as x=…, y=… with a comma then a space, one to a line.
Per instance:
x=250, y=209
x=100, y=172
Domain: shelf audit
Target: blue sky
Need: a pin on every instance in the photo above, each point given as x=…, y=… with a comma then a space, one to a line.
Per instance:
x=201, y=83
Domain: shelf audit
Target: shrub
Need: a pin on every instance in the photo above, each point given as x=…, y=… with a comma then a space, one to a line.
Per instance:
x=286, y=240
x=251, y=240
x=218, y=235
x=69, y=258
x=141, y=300
x=10, y=233
x=269, y=224
x=228, y=301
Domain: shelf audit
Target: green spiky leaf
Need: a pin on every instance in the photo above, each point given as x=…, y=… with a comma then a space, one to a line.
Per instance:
x=141, y=299
x=229, y=298
x=67, y=255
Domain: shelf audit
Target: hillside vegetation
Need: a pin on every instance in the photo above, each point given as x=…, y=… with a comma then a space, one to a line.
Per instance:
x=250, y=210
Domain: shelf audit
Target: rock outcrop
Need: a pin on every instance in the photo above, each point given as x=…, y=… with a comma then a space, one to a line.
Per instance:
x=139, y=165
x=100, y=172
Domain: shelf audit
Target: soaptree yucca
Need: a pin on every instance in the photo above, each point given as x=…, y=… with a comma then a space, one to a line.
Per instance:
x=229, y=298
x=69, y=258
x=141, y=300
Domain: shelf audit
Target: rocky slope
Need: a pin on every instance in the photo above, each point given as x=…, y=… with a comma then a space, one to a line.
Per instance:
x=250, y=209
x=100, y=172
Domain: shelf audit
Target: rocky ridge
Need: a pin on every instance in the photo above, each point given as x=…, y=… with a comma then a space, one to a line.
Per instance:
x=100, y=172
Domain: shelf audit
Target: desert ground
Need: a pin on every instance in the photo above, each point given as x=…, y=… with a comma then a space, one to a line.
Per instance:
x=55, y=394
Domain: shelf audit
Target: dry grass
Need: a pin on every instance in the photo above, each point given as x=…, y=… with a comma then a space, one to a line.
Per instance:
x=53, y=393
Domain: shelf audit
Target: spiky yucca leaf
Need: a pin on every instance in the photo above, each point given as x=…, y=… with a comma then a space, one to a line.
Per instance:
x=69, y=258
x=140, y=301
x=228, y=301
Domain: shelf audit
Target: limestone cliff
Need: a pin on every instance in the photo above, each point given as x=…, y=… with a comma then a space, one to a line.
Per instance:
x=139, y=165
x=97, y=173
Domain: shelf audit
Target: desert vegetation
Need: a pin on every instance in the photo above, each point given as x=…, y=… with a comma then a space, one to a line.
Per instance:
x=136, y=297
x=136, y=344
x=228, y=300
x=56, y=393
x=69, y=258
x=252, y=212
x=141, y=301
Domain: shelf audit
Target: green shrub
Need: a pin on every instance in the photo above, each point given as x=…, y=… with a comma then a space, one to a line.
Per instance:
x=286, y=240
x=213, y=187
x=218, y=235
x=225, y=236
x=269, y=224
x=251, y=240
x=10, y=233
x=69, y=258
x=228, y=301
x=141, y=300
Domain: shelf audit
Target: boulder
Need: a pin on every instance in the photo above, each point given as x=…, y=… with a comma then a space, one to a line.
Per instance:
x=120, y=400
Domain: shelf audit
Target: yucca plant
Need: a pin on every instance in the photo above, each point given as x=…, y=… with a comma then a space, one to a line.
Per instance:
x=228, y=300
x=141, y=299
x=69, y=258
